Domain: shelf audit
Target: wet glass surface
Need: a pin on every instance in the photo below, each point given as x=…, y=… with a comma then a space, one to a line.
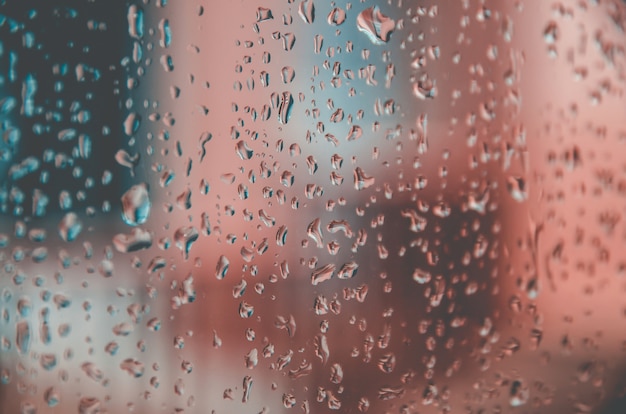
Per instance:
x=310, y=206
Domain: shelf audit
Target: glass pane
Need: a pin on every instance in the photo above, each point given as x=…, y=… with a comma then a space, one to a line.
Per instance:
x=308, y=206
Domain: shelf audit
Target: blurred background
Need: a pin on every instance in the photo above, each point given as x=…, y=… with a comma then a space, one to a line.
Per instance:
x=297, y=205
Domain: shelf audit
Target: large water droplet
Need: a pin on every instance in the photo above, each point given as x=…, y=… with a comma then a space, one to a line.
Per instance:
x=263, y=14
x=138, y=239
x=375, y=25
x=306, y=10
x=136, y=205
x=135, y=21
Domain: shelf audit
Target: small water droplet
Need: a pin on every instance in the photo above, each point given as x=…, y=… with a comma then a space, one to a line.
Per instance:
x=322, y=351
x=133, y=367
x=89, y=405
x=252, y=358
x=336, y=17
x=361, y=180
x=123, y=329
x=221, y=269
x=124, y=159
x=247, y=387
x=389, y=393
x=70, y=227
x=517, y=188
x=184, y=238
x=287, y=74
x=519, y=394
x=355, y=133
x=92, y=371
x=284, y=107
x=52, y=396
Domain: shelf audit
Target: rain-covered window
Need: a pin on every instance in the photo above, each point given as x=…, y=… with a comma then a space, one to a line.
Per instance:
x=309, y=206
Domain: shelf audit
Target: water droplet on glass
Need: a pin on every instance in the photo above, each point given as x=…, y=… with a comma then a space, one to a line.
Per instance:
x=136, y=205
x=551, y=33
x=285, y=107
x=289, y=401
x=263, y=14
x=135, y=21
x=221, y=269
x=165, y=33
x=138, y=239
x=314, y=231
x=305, y=368
x=22, y=337
x=244, y=151
x=390, y=393
x=70, y=227
x=133, y=367
x=322, y=274
x=348, y=270
x=184, y=238
x=375, y=25
x=336, y=16
x=306, y=10
x=52, y=396
x=252, y=358
x=355, y=133
x=123, y=329
x=320, y=344
x=124, y=159
x=517, y=188
x=247, y=387
x=132, y=123
x=519, y=394
x=246, y=310
x=361, y=180
x=92, y=371
x=287, y=74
